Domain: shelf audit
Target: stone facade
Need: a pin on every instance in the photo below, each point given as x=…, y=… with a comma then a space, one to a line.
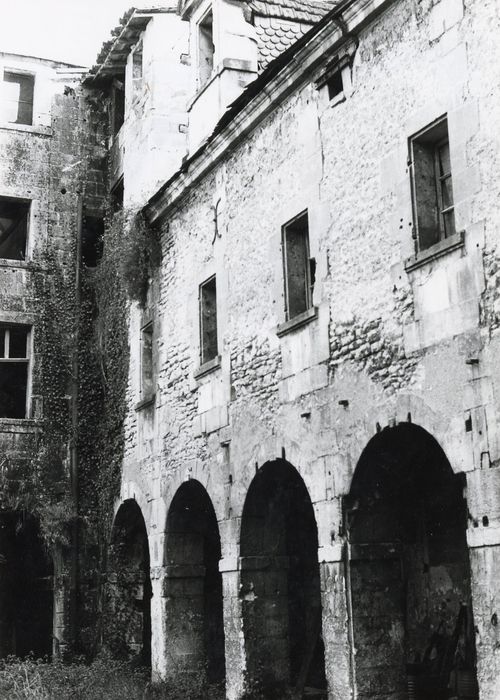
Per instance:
x=316, y=504
x=398, y=343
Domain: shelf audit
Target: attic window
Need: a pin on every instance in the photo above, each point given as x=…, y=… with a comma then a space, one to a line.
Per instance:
x=206, y=49
x=18, y=90
x=14, y=218
x=335, y=85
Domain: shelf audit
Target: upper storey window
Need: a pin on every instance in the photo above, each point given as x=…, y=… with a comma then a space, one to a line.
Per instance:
x=433, y=208
x=298, y=267
x=14, y=219
x=18, y=90
x=206, y=48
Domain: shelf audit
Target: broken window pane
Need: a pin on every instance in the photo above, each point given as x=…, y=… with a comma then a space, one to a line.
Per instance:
x=18, y=91
x=297, y=267
x=18, y=342
x=14, y=217
x=208, y=320
x=432, y=185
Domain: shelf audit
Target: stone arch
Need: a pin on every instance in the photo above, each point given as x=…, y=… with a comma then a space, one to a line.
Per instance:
x=408, y=573
x=280, y=584
x=193, y=588
x=26, y=588
x=127, y=629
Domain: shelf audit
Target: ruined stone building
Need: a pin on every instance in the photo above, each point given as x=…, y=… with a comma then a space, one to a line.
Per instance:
x=306, y=471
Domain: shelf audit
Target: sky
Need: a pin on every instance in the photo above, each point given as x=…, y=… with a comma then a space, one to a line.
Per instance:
x=72, y=31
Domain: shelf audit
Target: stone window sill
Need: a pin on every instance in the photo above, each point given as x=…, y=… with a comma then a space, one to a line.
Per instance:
x=436, y=251
x=145, y=402
x=29, y=128
x=20, y=425
x=297, y=321
x=207, y=367
x=23, y=265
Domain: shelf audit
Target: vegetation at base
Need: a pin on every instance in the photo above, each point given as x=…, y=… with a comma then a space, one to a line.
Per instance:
x=104, y=679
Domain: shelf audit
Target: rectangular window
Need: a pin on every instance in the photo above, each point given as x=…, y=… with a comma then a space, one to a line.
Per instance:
x=92, y=240
x=298, y=268
x=137, y=65
x=432, y=188
x=206, y=49
x=147, y=377
x=14, y=219
x=208, y=321
x=18, y=90
x=14, y=366
x=118, y=106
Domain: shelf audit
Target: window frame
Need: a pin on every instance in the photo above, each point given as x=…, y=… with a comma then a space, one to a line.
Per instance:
x=308, y=283
x=213, y=358
x=27, y=360
x=424, y=137
x=27, y=243
x=202, y=82
x=147, y=393
x=16, y=71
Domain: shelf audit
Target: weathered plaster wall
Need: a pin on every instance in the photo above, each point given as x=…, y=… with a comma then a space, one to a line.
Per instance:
x=54, y=163
x=396, y=346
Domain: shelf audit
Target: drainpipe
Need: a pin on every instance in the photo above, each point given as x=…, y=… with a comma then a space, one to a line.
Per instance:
x=74, y=429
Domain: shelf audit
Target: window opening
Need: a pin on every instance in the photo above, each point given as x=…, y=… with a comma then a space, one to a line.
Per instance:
x=206, y=49
x=147, y=380
x=137, y=65
x=118, y=115
x=18, y=91
x=117, y=194
x=432, y=190
x=208, y=320
x=14, y=218
x=335, y=85
x=299, y=270
x=92, y=240
x=14, y=364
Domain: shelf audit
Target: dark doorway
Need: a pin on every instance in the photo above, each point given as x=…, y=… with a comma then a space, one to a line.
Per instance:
x=409, y=574
x=194, y=602
x=26, y=588
x=280, y=585
x=128, y=622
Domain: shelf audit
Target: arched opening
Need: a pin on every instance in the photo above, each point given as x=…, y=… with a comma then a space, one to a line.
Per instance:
x=26, y=588
x=194, y=602
x=280, y=585
x=127, y=629
x=408, y=573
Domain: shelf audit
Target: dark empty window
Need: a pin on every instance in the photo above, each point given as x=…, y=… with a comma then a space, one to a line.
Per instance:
x=205, y=49
x=433, y=211
x=298, y=268
x=117, y=194
x=14, y=217
x=14, y=364
x=18, y=89
x=208, y=320
x=118, y=106
x=147, y=378
x=335, y=85
x=92, y=240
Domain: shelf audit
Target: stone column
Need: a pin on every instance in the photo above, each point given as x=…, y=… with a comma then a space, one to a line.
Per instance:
x=233, y=628
x=484, y=552
x=336, y=635
x=158, y=635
